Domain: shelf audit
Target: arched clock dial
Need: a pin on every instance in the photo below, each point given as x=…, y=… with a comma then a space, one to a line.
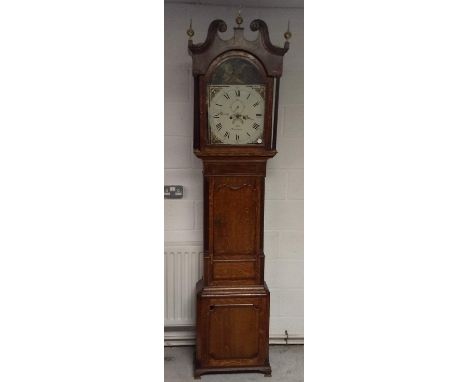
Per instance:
x=236, y=114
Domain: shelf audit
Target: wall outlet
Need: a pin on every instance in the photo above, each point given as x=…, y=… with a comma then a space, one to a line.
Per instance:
x=173, y=192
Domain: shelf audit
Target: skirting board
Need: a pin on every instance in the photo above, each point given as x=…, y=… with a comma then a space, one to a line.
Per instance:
x=187, y=337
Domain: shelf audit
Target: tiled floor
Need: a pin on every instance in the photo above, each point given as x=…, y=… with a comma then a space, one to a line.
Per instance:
x=287, y=363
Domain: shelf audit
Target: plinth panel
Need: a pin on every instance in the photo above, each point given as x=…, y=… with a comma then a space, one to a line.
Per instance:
x=232, y=330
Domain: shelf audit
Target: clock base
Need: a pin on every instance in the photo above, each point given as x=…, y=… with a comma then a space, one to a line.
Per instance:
x=232, y=329
x=199, y=371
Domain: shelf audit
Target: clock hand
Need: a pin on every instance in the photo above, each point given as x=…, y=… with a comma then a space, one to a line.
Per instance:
x=236, y=117
x=221, y=113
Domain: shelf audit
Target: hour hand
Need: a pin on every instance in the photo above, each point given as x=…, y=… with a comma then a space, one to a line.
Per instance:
x=219, y=114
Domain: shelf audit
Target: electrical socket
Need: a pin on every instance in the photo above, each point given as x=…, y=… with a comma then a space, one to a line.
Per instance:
x=173, y=192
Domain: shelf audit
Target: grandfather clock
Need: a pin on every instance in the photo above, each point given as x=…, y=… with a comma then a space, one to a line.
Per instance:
x=236, y=85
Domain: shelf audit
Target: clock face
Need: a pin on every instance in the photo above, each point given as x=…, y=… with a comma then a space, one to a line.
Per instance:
x=236, y=114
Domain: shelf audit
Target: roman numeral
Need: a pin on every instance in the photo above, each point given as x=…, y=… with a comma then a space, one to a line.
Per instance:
x=237, y=138
x=258, y=115
x=227, y=96
x=247, y=134
x=255, y=126
x=237, y=93
x=219, y=126
x=216, y=115
x=255, y=104
x=219, y=104
x=248, y=96
x=226, y=134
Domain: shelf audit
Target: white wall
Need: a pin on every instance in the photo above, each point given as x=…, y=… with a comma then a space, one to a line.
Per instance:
x=284, y=204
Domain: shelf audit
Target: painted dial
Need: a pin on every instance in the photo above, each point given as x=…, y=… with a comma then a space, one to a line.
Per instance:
x=236, y=114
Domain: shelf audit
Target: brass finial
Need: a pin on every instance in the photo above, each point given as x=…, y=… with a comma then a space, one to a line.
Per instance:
x=190, y=31
x=287, y=34
x=239, y=19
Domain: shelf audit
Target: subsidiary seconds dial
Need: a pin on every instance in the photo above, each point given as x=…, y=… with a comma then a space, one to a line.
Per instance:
x=236, y=114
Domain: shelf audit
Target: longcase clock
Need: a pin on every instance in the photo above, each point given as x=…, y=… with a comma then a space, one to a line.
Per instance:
x=236, y=86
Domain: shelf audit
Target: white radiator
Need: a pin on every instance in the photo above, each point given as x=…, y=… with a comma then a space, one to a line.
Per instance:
x=182, y=269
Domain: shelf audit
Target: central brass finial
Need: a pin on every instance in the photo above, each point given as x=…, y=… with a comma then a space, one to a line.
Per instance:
x=239, y=19
x=287, y=34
